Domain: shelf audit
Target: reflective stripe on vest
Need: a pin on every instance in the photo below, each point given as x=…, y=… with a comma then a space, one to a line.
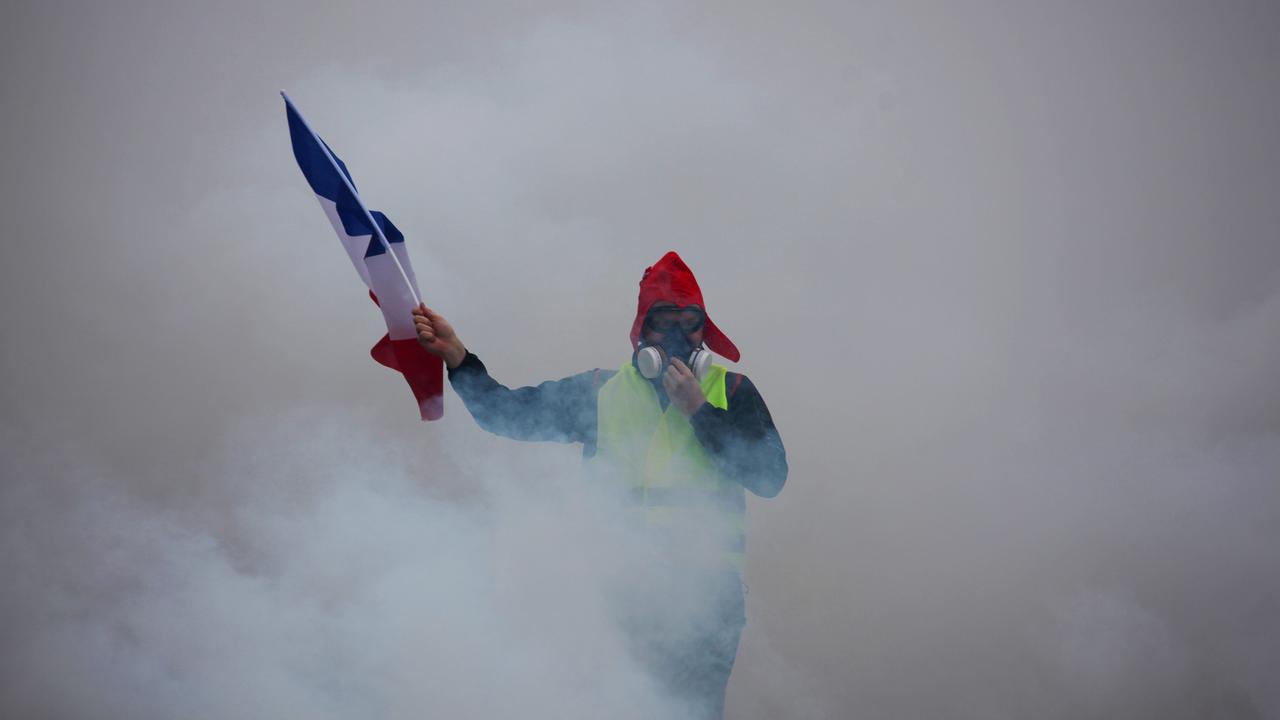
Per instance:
x=656, y=454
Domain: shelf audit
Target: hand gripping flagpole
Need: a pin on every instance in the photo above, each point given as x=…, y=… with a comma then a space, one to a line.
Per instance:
x=346, y=181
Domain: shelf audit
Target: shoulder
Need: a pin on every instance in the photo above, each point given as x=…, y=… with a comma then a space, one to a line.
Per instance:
x=600, y=376
x=736, y=382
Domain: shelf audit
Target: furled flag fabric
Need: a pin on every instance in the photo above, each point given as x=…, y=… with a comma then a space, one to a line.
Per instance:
x=399, y=348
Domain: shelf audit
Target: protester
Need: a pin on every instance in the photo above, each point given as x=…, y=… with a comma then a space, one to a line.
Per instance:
x=679, y=436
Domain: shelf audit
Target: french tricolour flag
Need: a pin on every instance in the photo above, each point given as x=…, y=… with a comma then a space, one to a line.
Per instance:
x=389, y=276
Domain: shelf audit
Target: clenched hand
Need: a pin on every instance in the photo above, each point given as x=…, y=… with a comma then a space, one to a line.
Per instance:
x=437, y=336
x=683, y=387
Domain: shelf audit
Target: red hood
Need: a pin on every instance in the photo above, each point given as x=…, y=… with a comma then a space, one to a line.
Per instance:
x=671, y=280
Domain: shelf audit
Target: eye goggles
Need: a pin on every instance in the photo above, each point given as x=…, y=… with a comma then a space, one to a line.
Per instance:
x=663, y=319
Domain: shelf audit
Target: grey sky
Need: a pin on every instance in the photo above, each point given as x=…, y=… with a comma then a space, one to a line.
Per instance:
x=1007, y=274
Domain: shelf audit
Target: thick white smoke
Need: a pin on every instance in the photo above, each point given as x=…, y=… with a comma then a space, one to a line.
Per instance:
x=330, y=581
x=1005, y=273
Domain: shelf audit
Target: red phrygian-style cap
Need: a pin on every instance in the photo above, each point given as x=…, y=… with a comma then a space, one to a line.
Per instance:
x=671, y=280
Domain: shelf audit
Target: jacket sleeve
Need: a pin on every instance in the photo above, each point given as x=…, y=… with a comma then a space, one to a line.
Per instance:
x=742, y=441
x=557, y=410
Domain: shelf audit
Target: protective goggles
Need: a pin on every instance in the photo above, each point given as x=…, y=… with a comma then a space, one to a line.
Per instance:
x=688, y=319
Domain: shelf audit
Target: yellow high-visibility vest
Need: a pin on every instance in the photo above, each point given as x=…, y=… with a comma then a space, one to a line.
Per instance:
x=668, y=474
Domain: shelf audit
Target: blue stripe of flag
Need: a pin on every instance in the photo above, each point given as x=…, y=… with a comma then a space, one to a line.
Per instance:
x=390, y=231
x=326, y=183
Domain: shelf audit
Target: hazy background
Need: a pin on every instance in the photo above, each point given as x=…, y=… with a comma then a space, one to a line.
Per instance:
x=1007, y=274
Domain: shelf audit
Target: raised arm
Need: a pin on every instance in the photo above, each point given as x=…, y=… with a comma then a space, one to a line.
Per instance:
x=558, y=410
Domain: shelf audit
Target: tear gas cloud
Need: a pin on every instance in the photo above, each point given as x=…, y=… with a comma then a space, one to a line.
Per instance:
x=1007, y=276
x=330, y=584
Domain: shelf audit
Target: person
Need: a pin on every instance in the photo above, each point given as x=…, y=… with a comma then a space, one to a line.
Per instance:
x=682, y=437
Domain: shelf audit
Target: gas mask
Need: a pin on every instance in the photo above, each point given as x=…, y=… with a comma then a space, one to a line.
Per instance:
x=652, y=360
x=675, y=324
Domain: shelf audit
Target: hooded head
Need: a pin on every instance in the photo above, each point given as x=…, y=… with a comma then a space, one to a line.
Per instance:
x=671, y=280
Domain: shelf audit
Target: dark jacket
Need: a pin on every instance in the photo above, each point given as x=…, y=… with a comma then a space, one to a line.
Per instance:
x=742, y=440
